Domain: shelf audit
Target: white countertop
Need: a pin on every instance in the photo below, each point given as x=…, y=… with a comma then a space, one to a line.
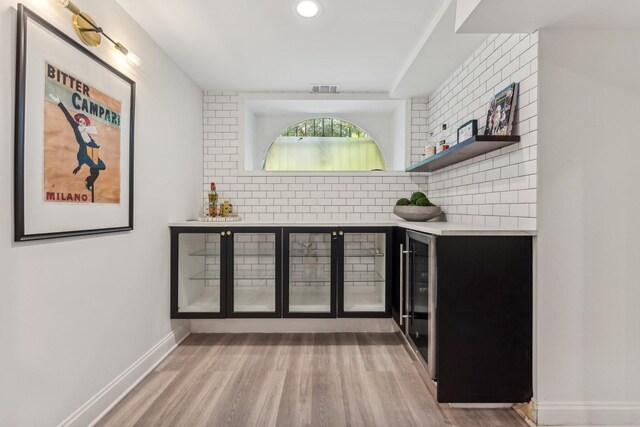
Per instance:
x=432, y=227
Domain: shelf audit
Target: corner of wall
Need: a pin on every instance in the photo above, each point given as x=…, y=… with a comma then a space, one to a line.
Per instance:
x=98, y=406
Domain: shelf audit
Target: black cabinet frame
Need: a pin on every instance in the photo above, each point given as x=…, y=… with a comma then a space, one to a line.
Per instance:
x=230, y=272
x=388, y=242
x=288, y=231
x=226, y=236
x=337, y=271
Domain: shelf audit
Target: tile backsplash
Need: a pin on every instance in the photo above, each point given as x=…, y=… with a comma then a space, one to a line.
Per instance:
x=289, y=197
x=497, y=189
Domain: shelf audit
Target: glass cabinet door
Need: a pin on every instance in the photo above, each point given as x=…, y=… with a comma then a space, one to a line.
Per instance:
x=199, y=272
x=364, y=284
x=311, y=281
x=256, y=279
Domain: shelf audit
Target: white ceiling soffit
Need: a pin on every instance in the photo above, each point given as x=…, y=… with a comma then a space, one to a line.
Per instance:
x=262, y=45
x=526, y=16
x=437, y=56
x=326, y=106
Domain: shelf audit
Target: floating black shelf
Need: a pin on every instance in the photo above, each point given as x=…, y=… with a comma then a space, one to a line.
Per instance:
x=467, y=149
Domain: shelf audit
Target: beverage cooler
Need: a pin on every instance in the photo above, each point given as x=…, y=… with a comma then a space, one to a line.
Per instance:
x=418, y=296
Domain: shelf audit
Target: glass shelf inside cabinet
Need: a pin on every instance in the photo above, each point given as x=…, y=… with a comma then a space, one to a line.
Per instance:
x=216, y=253
x=312, y=277
x=205, y=252
x=238, y=275
x=254, y=275
x=322, y=253
x=363, y=277
x=206, y=275
x=361, y=253
x=309, y=277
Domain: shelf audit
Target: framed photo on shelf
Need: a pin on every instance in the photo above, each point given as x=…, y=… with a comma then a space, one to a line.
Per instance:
x=467, y=130
x=501, y=111
x=73, y=137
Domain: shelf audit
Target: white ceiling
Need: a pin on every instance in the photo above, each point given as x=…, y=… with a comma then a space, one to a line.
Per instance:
x=261, y=45
x=323, y=106
x=439, y=53
x=524, y=16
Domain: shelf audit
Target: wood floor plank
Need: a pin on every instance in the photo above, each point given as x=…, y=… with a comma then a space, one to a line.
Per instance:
x=204, y=401
x=327, y=408
x=295, y=402
x=265, y=409
x=358, y=406
x=343, y=379
x=135, y=404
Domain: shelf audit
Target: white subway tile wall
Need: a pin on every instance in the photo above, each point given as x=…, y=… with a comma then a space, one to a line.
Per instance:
x=290, y=197
x=497, y=189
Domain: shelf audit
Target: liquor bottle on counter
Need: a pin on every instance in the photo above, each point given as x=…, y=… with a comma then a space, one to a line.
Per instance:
x=213, y=201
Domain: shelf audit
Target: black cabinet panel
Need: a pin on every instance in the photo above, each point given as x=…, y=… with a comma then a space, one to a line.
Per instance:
x=484, y=317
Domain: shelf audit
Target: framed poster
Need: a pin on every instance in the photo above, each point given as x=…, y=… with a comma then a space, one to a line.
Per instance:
x=74, y=137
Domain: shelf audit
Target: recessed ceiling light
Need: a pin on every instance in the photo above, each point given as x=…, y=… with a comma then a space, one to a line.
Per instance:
x=308, y=9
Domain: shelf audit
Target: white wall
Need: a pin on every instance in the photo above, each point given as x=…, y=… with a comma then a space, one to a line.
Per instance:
x=75, y=313
x=497, y=189
x=588, y=321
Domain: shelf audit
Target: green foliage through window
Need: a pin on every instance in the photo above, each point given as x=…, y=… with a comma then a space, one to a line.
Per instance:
x=324, y=144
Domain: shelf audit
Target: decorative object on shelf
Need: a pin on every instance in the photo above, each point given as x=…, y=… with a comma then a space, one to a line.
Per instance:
x=417, y=213
x=501, y=111
x=442, y=146
x=213, y=210
x=73, y=141
x=417, y=208
x=430, y=150
x=226, y=209
x=233, y=218
x=467, y=130
x=91, y=35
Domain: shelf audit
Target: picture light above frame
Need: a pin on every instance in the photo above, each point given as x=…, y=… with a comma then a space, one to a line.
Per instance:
x=90, y=33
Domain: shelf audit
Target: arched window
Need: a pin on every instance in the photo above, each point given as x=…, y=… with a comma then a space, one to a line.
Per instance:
x=323, y=144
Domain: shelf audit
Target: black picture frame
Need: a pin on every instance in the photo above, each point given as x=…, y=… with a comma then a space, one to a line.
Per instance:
x=473, y=124
x=502, y=110
x=26, y=15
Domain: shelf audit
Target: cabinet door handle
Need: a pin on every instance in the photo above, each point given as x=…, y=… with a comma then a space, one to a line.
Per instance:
x=228, y=233
x=401, y=283
x=334, y=234
x=341, y=233
x=222, y=233
x=407, y=291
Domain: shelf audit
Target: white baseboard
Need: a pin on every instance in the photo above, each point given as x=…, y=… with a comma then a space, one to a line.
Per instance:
x=588, y=413
x=92, y=411
x=292, y=325
x=481, y=405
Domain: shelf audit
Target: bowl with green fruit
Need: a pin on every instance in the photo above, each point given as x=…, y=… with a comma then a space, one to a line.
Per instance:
x=416, y=208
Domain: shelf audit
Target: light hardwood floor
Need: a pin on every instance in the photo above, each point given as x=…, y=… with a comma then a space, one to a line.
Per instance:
x=341, y=379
